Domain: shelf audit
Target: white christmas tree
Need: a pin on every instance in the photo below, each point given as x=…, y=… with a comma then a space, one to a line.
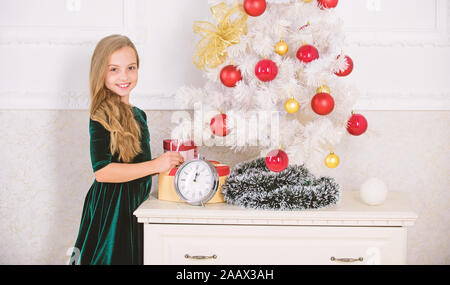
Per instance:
x=278, y=101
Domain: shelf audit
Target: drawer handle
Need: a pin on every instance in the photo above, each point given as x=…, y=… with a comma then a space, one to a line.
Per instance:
x=198, y=257
x=345, y=259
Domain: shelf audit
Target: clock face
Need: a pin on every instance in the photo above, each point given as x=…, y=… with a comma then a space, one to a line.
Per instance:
x=196, y=181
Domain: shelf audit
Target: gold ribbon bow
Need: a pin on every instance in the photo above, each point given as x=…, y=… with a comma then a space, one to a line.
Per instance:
x=211, y=50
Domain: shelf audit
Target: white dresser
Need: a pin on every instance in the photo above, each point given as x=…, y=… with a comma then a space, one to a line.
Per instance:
x=349, y=233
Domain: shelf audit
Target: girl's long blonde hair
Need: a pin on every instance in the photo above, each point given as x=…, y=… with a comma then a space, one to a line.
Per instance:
x=107, y=108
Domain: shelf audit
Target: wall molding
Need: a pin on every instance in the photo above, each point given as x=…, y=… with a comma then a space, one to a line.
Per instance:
x=156, y=100
x=130, y=25
x=404, y=101
x=77, y=100
x=437, y=36
x=133, y=24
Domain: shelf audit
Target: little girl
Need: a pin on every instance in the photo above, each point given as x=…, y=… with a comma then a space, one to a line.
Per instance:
x=121, y=159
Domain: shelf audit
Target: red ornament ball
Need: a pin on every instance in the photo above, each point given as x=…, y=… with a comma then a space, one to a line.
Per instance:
x=357, y=125
x=322, y=103
x=219, y=126
x=326, y=4
x=266, y=70
x=349, y=68
x=230, y=75
x=255, y=8
x=277, y=160
x=307, y=53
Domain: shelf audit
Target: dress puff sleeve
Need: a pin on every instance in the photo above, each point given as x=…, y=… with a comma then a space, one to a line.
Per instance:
x=100, y=139
x=144, y=115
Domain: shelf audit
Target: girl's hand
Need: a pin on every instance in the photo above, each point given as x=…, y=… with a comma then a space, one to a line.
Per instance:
x=168, y=160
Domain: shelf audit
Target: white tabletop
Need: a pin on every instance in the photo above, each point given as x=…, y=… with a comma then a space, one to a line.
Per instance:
x=351, y=211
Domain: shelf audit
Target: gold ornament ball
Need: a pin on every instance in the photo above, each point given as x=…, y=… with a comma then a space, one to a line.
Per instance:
x=292, y=106
x=332, y=160
x=323, y=89
x=307, y=1
x=281, y=48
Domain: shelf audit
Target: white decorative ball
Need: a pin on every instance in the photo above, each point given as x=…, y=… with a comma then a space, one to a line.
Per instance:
x=373, y=191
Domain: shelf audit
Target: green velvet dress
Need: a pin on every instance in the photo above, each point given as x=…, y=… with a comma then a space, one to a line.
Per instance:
x=109, y=232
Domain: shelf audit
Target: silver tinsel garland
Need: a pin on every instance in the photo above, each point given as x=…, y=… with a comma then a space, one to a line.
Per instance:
x=252, y=185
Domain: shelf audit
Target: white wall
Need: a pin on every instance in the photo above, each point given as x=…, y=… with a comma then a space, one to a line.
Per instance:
x=401, y=51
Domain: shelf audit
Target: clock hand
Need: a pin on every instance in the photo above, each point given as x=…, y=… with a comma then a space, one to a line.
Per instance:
x=196, y=175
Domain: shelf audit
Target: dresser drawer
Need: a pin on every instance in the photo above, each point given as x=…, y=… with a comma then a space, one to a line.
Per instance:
x=269, y=245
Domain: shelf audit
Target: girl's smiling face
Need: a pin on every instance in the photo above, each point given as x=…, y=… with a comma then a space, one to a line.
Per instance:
x=122, y=73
